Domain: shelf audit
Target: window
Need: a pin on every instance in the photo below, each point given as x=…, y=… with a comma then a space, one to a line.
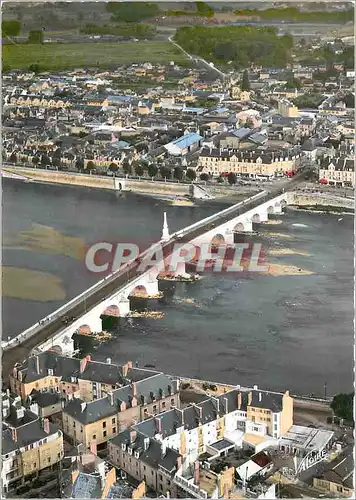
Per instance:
x=94, y=436
x=113, y=420
x=160, y=477
x=34, y=465
x=104, y=425
x=154, y=408
x=104, y=434
x=172, y=401
x=163, y=404
x=114, y=430
x=58, y=455
x=49, y=460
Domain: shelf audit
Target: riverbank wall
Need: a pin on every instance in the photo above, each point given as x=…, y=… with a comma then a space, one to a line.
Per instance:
x=139, y=186
x=322, y=201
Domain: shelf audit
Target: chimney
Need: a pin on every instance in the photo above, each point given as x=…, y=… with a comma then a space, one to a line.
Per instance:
x=226, y=405
x=133, y=435
x=111, y=398
x=134, y=389
x=108, y=360
x=146, y=443
x=249, y=399
x=93, y=447
x=14, y=434
x=260, y=397
x=126, y=367
x=196, y=472
x=200, y=412
x=158, y=425
x=37, y=365
x=83, y=405
x=46, y=425
x=239, y=400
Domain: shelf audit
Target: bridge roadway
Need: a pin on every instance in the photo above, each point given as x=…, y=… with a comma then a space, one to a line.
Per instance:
x=108, y=286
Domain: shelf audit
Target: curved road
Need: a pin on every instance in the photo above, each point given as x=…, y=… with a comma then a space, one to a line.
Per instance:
x=19, y=352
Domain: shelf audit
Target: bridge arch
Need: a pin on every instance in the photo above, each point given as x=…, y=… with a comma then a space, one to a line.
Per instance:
x=256, y=218
x=112, y=311
x=84, y=330
x=239, y=228
x=270, y=209
x=283, y=203
x=57, y=349
x=138, y=291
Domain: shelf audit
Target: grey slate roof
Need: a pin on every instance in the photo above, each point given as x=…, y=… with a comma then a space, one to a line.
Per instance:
x=152, y=456
x=86, y=486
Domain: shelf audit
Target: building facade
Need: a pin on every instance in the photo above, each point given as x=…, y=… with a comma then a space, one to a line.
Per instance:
x=337, y=172
x=259, y=163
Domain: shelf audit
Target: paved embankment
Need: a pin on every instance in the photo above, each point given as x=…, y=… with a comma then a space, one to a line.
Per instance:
x=139, y=186
x=323, y=201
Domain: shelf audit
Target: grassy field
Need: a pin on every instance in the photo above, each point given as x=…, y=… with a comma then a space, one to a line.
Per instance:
x=79, y=55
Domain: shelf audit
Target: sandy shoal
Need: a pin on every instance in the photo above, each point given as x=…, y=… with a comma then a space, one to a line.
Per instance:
x=48, y=240
x=287, y=251
x=26, y=284
x=283, y=270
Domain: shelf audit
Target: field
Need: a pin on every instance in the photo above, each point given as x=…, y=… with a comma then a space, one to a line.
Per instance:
x=79, y=55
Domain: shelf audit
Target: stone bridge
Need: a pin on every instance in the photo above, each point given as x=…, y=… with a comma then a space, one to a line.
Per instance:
x=118, y=304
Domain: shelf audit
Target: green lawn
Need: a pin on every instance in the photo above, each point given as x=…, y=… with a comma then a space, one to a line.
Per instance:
x=55, y=56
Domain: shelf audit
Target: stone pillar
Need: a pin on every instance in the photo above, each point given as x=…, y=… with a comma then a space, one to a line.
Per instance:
x=152, y=286
x=124, y=307
x=229, y=237
x=247, y=226
x=263, y=216
x=277, y=209
x=94, y=321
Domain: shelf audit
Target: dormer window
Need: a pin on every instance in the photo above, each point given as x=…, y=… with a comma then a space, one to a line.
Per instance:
x=123, y=446
x=50, y=372
x=130, y=450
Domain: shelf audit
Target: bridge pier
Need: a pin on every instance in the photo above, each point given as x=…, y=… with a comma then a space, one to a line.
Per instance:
x=263, y=216
x=95, y=323
x=277, y=209
x=124, y=307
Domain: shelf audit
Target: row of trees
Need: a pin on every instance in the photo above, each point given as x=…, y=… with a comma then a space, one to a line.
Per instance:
x=132, y=12
x=237, y=45
x=294, y=14
x=138, y=30
x=13, y=28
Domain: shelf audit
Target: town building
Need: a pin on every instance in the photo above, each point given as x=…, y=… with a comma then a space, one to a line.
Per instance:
x=236, y=419
x=338, y=478
x=337, y=171
x=30, y=446
x=287, y=109
x=102, y=418
x=248, y=163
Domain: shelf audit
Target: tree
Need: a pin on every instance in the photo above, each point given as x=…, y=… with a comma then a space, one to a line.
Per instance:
x=13, y=158
x=35, y=68
x=139, y=170
x=165, y=172
x=45, y=160
x=35, y=36
x=178, y=173
x=113, y=167
x=191, y=174
x=56, y=162
x=152, y=170
x=231, y=178
x=79, y=164
x=245, y=83
x=10, y=28
x=126, y=167
x=90, y=166
x=342, y=405
x=204, y=177
x=35, y=160
x=220, y=180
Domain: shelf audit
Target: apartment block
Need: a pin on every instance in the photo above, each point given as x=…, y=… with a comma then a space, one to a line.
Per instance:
x=101, y=419
x=264, y=163
x=30, y=446
x=337, y=172
x=236, y=419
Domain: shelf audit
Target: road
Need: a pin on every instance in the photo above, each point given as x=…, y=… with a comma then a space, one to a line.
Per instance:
x=49, y=329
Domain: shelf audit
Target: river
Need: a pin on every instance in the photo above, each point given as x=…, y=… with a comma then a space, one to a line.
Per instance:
x=279, y=332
